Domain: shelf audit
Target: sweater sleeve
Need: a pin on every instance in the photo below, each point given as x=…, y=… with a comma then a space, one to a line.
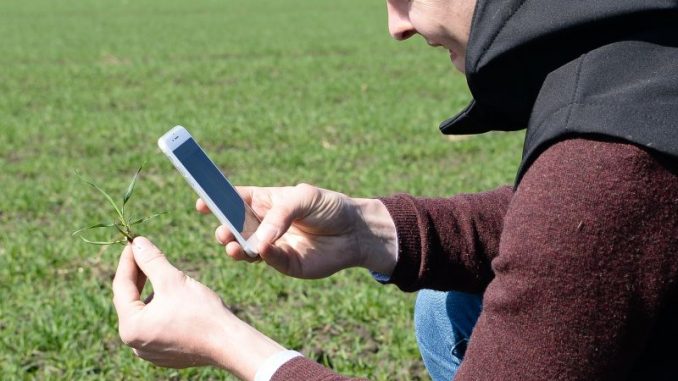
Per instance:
x=447, y=243
x=584, y=285
x=301, y=368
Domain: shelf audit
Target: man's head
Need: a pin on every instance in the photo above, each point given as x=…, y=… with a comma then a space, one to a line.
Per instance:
x=445, y=23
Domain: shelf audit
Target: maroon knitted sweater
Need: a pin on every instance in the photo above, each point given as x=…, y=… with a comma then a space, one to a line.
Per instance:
x=578, y=267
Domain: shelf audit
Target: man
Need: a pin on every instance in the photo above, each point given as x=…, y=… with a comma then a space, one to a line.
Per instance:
x=576, y=262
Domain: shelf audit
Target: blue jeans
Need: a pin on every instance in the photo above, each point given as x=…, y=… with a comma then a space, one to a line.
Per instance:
x=443, y=322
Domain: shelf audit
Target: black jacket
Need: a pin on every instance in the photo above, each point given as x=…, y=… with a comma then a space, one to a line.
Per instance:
x=565, y=67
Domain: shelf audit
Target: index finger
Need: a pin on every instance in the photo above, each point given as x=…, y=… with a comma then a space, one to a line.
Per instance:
x=201, y=207
x=126, y=291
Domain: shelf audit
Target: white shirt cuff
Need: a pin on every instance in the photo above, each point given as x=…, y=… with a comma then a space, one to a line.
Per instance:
x=273, y=363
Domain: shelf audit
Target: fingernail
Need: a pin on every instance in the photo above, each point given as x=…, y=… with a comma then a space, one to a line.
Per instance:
x=140, y=243
x=266, y=233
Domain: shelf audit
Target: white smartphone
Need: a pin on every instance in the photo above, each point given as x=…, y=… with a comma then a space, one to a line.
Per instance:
x=212, y=186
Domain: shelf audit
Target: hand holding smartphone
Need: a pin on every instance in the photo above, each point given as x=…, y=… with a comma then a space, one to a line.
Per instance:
x=212, y=186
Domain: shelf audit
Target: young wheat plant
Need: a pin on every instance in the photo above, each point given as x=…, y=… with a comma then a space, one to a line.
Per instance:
x=123, y=223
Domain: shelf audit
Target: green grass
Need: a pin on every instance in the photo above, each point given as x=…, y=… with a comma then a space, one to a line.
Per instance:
x=278, y=92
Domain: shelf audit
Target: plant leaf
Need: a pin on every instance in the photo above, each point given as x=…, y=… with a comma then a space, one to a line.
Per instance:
x=130, y=189
x=144, y=219
x=93, y=227
x=102, y=243
x=104, y=193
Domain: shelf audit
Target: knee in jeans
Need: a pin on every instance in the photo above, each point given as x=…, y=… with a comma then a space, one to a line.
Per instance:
x=446, y=316
x=428, y=306
x=427, y=303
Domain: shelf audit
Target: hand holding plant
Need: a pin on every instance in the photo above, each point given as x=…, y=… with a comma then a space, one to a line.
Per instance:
x=185, y=324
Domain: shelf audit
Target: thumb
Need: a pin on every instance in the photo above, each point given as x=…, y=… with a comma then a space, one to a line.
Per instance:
x=275, y=223
x=291, y=204
x=126, y=285
x=153, y=262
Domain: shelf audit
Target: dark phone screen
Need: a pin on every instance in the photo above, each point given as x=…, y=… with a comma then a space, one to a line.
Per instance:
x=225, y=197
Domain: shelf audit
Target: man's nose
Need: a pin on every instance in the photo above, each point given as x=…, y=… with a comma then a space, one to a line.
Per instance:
x=399, y=25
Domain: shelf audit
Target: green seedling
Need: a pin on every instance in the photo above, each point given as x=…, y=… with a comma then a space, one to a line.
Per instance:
x=122, y=223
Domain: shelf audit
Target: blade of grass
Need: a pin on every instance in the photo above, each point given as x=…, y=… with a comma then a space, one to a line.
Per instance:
x=104, y=193
x=92, y=227
x=130, y=189
x=144, y=219
x=102, y=243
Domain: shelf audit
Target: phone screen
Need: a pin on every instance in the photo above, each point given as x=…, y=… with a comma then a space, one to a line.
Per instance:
x=217, y=187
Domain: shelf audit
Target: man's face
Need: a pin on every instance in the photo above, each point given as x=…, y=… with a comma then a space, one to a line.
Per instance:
x=445, y=23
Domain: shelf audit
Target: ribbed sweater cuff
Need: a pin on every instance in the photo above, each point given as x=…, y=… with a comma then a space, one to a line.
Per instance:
x=301, y=368
x=403, y=213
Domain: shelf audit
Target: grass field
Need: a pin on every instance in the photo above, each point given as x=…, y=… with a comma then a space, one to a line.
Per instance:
x=278, y=92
